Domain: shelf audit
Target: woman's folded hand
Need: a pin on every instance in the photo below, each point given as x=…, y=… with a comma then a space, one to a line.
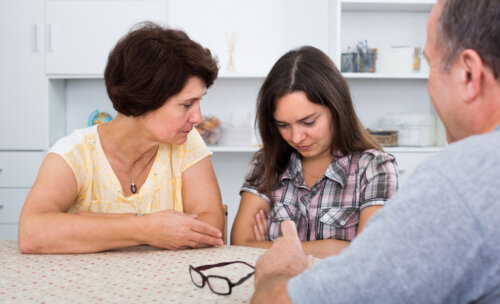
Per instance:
x=175, y=230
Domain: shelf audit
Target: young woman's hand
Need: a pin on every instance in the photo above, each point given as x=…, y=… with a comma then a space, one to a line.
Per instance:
x=260, y=228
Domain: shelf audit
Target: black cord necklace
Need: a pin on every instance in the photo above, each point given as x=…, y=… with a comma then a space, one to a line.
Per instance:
x=133, y=186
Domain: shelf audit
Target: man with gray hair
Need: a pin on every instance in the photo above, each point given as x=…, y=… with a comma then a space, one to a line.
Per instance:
x=438, y=239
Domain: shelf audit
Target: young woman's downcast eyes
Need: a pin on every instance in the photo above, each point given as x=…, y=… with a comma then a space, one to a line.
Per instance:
x=188, y=105
x=307, y=123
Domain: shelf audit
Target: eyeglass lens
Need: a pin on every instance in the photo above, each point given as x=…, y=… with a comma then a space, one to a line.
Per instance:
x=218, y=285
x=196, y=277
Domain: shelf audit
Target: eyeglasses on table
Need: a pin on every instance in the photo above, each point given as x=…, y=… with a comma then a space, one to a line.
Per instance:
x=218, y=284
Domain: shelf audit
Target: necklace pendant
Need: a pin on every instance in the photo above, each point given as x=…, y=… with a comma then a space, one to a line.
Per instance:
x=133, y=187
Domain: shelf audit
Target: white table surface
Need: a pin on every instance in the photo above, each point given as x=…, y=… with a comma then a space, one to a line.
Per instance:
x=140, y=274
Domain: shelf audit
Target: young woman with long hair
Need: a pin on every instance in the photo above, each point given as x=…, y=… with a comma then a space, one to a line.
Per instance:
x=318, y=165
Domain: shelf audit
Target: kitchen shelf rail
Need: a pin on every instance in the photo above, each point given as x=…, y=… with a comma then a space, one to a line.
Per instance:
x=388, y=5
x=252, y=149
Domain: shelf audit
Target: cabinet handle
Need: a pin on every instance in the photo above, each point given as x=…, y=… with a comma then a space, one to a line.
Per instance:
x=37, y=38
x=401, y=172
x=52, y=38
x=1, y=207
x=1, y=170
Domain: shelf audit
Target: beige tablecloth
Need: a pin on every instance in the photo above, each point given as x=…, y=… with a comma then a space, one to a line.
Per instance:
x=133, y=275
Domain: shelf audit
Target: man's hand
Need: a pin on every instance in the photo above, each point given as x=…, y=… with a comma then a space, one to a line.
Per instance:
x=284, y=259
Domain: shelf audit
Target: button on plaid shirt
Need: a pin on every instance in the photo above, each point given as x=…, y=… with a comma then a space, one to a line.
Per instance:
x=331, y=208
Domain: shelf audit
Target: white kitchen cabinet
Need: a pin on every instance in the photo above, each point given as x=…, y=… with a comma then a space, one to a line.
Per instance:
x=385, y=24
x=82, y=33
x=8, y=231
x=409, y=159
x=23, y=88
x=262, y=30
x=27, y=116
x=10, y=209
x=18, y=169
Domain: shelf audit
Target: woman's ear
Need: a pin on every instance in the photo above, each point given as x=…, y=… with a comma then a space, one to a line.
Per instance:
x=471, y=69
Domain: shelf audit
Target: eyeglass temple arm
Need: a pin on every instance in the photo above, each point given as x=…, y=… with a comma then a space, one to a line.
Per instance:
x=205, y=267
x=244, y=279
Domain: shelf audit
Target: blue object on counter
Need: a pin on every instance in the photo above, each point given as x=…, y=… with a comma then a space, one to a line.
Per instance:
x=97, y=117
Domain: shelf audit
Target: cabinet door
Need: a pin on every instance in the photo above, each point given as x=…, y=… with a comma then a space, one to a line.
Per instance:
x=23, y=87
x=408, y=162
x=260, y=31
x=8, y=231
x=81, y=33
x=11, y=204
x=19, y=169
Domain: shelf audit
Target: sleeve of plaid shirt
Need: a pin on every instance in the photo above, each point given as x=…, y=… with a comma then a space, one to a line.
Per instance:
x=253, y=187
x=380, y=179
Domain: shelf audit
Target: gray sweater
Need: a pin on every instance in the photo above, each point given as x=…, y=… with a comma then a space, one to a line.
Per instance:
x=436, y=241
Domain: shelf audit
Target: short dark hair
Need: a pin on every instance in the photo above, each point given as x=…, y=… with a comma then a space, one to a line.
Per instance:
x=470, y=24
x=150, y=64
x=311, y=71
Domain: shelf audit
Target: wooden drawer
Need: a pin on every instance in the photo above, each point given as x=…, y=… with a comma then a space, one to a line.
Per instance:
x=11, y=203
x=19, y=169
x=408, y=162
x=8, y=231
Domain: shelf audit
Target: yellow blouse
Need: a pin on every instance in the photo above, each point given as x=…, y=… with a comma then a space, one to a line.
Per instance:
x=99, y=189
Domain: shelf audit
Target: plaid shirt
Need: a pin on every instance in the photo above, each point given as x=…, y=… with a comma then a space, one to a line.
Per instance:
x=331, y=208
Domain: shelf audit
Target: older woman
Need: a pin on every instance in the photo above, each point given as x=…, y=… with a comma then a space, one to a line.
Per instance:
x=94, y=185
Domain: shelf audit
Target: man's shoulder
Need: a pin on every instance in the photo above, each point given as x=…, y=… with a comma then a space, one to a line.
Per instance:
x=466, y=153
x=468, y=168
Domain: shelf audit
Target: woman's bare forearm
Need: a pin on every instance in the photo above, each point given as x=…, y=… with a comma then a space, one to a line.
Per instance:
x=212, y=218
x=318, y=248
x=250, y=243
x=55, y=232
x=324, y=248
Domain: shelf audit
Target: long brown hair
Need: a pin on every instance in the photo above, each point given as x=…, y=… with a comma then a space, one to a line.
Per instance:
x=309, y=70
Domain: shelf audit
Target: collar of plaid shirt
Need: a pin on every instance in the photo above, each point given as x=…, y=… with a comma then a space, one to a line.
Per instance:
x=334, y=172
